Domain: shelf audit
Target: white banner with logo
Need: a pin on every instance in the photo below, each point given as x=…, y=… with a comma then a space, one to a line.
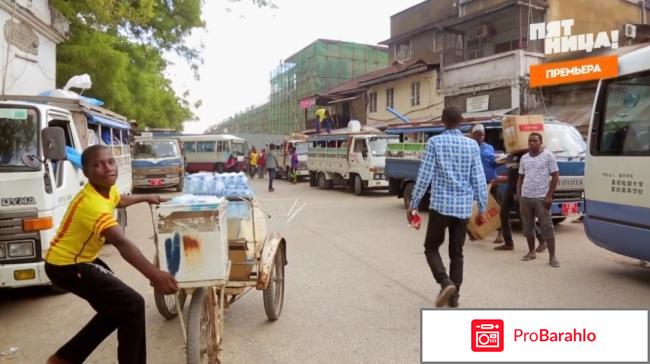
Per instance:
x=534, y=336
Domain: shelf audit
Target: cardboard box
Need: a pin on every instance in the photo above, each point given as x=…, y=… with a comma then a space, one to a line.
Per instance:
x=517, y=128
x=240, y=266
x=482, y=231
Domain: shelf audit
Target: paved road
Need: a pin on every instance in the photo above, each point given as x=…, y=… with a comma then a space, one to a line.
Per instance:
x=355, y=284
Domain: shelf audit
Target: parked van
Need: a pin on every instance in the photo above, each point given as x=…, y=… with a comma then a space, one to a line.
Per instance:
x=564, y=140
x=38, y=182
x=352, y=160
x=157, y=163
x=209, y=152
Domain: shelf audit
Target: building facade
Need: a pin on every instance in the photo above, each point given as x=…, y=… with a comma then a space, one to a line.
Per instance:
x=31, y=31
x=483, y=49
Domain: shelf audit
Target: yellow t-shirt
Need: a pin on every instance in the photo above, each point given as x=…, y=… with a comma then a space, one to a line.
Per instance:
x=254, y=158
x=321, y=114
x=79, y=237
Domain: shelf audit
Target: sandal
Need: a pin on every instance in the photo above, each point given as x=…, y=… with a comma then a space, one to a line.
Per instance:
x=541, y=248
x=528, y=257
x=504, y=247
x=498, y=241
x=554, y=263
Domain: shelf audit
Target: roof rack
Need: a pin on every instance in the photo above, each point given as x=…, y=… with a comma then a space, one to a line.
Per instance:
x=65, y=103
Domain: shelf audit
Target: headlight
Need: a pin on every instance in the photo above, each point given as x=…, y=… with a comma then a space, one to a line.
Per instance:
x=22, y=249
x=3, y=254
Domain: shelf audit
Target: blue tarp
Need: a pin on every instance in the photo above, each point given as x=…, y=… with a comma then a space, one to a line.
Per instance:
x=104, y=121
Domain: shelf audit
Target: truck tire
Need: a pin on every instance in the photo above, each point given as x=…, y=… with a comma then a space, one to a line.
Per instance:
x=312, y=179
x=323, y=183
x=358, y=185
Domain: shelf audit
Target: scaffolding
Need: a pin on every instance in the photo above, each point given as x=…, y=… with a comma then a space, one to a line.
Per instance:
x=321, y=65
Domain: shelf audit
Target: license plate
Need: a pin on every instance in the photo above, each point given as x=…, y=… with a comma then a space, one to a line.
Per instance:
x=155, y=182
x=570, y=208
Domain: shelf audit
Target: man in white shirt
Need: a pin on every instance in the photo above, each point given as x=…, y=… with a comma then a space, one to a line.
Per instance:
x=538, y=178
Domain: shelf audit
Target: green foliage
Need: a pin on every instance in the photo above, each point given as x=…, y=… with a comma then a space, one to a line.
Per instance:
x=120, y=44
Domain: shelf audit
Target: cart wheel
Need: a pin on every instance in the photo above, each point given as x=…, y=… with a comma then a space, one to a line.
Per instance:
x=274, y=292
x=204, y=328
x=166, y=305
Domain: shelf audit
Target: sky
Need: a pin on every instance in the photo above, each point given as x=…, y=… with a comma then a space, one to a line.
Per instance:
x=243, y=43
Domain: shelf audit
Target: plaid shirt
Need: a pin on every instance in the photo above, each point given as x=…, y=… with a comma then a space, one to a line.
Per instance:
x=452, y=165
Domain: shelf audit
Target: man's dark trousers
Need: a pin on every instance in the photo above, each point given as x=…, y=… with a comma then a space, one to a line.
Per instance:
x=117, y=305
x=436, y=227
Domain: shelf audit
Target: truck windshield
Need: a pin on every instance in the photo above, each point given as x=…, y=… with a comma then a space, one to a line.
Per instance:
x=301, y=148
x=18, y=135
x=379, y=145
x=155, y=149
x=564, y=140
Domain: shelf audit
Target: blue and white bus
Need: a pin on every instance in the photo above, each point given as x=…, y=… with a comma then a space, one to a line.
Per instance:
x=617, y=183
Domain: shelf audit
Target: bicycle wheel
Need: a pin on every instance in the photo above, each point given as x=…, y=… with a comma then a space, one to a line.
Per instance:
x=274, y=293
x=204, y=328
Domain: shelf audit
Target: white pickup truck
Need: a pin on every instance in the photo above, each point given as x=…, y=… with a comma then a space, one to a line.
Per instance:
x=38, y=181
x=352, y=160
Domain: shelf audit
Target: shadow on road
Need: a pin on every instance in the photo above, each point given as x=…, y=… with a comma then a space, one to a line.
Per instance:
x=14, y=295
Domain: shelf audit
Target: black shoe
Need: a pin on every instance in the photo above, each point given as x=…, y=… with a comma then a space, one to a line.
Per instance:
x=453, y=300
x=445, y=293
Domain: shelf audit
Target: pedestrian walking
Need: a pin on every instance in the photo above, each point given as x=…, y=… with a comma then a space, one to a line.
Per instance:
x=253, y=158
x=271, y=166
x=452, y=166
x=488, y=156
x=294, y=165
x=261, y=163
x=507, y=203
x=72, y=264
x=538, y=178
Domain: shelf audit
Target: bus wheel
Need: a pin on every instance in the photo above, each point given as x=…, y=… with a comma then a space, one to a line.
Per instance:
x=218, y=167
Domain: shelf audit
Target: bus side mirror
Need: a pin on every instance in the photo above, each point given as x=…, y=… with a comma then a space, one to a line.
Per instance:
x=53, y=140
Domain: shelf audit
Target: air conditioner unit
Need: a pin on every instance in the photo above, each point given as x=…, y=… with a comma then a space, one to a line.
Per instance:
x=630, y=31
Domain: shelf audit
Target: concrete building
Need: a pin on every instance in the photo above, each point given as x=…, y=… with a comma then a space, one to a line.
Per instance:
x=409, y=87
x=482, y=46
x=31, y=31
x=320, y=65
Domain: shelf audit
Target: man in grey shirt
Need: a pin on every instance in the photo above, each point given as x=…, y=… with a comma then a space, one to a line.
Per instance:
x=271, y=165
x=538, y=178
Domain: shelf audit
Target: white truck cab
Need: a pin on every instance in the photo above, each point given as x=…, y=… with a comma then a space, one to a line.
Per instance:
x=38, y=182
x=353, y=160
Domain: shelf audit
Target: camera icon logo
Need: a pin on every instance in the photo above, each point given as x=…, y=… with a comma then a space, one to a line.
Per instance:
x=487, y=335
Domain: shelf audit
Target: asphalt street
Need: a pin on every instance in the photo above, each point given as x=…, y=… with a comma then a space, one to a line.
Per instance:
x=355, y=284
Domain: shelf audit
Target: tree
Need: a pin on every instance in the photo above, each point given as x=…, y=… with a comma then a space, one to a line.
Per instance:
x=120, y=44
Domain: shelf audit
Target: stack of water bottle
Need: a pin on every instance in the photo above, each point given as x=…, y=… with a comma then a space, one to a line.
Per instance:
x=206, y=187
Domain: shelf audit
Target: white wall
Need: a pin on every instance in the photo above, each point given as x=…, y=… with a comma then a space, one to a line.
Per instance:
x=26, y=73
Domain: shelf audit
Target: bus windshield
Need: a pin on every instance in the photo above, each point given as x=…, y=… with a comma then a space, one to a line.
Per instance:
x=564, y=140
x=18, y=137
x=625, y=128
x=155, y=149
x=238, y=147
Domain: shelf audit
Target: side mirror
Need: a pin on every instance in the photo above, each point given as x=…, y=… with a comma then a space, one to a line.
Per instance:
x=53, y=140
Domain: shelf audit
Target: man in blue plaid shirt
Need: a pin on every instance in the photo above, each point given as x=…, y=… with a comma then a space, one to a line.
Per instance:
x=452, y=166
